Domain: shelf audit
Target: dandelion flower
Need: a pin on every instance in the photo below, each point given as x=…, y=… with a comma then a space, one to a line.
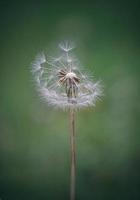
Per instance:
x=62, y=83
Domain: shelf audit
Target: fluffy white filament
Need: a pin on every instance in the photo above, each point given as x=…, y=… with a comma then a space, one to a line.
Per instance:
x=47, y=72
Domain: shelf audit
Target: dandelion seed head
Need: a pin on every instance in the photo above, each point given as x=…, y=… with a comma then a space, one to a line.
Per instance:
x=61, y=82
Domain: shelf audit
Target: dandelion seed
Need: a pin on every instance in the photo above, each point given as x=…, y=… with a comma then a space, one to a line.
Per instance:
x=66, y=46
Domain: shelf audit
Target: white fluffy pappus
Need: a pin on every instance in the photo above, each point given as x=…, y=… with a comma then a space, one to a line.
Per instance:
x=61, y=82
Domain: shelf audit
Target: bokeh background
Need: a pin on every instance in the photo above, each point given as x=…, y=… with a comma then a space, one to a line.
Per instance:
x=34, y=139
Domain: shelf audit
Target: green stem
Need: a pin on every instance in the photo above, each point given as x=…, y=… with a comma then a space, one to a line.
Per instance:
x=73, y=154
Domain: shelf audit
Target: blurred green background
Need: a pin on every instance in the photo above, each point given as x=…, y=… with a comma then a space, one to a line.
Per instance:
x=34, y=139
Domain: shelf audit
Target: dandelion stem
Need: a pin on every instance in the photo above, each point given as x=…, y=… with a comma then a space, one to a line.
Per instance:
x=73, y=155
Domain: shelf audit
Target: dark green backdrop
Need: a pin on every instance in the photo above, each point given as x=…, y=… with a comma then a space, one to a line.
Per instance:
x=34, y=139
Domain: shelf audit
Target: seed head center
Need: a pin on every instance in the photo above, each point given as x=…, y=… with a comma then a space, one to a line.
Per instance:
x=71, y=75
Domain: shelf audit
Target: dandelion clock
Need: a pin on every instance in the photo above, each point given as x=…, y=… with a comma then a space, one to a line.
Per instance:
x=61, y=83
